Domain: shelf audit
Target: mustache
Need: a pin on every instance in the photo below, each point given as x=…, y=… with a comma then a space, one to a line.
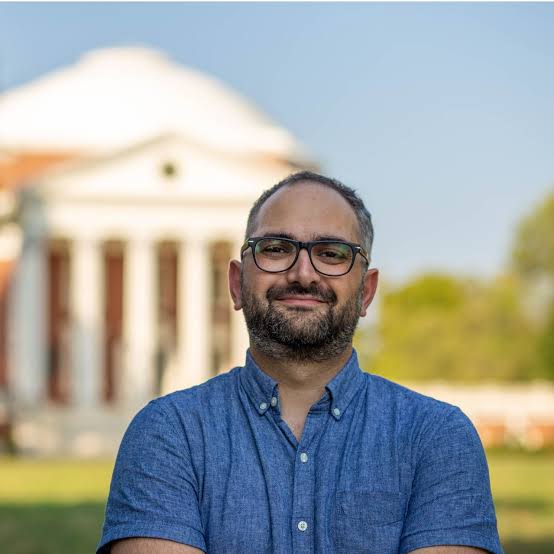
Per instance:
x=297, y=289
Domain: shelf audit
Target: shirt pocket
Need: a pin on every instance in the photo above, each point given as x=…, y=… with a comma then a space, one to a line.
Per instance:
x=367, y=522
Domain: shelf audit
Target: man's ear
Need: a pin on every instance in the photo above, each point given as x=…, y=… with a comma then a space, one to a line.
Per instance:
x=369, y=287
x=234, y=283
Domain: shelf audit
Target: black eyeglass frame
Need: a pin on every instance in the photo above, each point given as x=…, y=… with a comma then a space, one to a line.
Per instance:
x=299, y=245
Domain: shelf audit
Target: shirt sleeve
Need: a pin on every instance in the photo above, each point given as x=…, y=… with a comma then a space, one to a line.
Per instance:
x=451, y=501
x=153, y=492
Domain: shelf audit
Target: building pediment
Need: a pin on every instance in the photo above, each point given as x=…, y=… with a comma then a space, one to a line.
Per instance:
x=166, y=169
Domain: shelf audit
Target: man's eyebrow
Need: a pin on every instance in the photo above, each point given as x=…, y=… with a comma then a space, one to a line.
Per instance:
x=284, y=235
x=279, y=235
x=329, y=237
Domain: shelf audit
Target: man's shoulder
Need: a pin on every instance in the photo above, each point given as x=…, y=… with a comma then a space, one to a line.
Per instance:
x=417, y=420
x=409, y=406
x=218, y=387
x=187, y=411
x=389, y=391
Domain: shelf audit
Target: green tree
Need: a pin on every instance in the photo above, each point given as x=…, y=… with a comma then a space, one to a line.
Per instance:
x=440, y=327
x=546, y=345
x=533, y=247
x=533, y=262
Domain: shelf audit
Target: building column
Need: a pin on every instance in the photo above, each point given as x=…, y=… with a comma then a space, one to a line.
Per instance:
x=139, y=322
x=27, y=329
x=87, y=303
x=239, y=333
x=194, y=314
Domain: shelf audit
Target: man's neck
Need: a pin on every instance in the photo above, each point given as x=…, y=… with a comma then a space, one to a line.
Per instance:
x=301, y=383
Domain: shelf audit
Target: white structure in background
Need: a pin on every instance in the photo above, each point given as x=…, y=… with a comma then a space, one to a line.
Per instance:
x=119, y=291
x=512, y=413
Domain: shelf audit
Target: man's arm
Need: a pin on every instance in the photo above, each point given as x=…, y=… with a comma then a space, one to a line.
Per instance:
x=154, y=490
x=450, y=501
x=152, y=546
x=449, y=550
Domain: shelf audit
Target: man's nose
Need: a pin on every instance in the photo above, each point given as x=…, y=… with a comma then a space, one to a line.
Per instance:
x=303, y=271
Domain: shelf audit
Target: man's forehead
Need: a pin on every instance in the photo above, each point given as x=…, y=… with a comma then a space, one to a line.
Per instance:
x=307, y=211
x=286, y=234
x=311, y=190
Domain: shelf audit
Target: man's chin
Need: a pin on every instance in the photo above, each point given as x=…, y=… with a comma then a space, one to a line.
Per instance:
x=298, y=319
x=296, y=334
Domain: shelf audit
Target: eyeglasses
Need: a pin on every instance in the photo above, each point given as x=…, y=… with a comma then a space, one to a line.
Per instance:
x=328, y=257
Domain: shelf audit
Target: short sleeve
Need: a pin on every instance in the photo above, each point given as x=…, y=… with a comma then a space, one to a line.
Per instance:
x=451, y=501
x=153, y=492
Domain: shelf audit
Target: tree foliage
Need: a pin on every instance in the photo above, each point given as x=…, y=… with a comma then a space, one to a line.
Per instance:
x=440, y=327
x=533, y=261
x=533, y=248
x=546, y=345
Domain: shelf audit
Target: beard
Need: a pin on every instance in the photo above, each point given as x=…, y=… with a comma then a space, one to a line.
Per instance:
x=297, y=333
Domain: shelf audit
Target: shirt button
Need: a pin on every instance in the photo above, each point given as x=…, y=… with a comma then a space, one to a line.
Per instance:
x=336, y=411
x=303, y=457
x=274, y=401
x=263, y=406
x=302, y=525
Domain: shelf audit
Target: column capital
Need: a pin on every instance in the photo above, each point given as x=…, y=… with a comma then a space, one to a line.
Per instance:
x=79, y=239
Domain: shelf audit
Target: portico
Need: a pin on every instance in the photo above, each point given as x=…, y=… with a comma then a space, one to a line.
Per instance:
x=119, y=297
x=128, y=215
x=190, y=363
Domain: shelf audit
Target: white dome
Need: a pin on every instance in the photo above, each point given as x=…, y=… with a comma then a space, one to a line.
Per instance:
x=115, y=97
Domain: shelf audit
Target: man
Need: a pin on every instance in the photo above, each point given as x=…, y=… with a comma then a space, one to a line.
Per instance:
x=300, y=451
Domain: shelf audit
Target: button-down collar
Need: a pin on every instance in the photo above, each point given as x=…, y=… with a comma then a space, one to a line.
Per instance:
x=345, y=385
x=261, y=388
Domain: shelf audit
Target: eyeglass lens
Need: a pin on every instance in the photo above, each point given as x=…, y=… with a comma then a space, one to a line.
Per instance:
x=331, y=258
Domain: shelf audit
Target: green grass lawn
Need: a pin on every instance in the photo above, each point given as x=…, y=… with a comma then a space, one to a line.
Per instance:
x=57, y=507
x=523, y=490
x=52, y=507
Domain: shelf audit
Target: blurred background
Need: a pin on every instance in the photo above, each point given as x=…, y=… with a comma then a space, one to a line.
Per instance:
x=133, y=141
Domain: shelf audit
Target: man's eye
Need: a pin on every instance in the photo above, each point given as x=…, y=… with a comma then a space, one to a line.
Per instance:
x=273, y=249
x=331, y=254
x=334, y=254
x=332, y=258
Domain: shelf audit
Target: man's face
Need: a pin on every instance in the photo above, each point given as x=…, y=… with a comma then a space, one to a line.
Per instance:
x=301, y=314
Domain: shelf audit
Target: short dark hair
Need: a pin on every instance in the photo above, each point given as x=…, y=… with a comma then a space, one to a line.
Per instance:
x=362, y=214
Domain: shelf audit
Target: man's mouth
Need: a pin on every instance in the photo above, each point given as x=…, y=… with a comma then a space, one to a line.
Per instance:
x=303, y=300
x=309, y=297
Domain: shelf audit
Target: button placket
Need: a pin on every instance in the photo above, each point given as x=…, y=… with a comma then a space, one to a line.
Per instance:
x=304, y=485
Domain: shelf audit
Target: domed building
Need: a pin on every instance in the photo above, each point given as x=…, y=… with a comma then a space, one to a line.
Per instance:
x=125, y=184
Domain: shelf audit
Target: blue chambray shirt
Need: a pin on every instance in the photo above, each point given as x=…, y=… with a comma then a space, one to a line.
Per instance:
x=379, y=469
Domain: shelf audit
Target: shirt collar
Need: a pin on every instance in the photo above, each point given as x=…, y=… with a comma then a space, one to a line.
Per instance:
x=263, y=390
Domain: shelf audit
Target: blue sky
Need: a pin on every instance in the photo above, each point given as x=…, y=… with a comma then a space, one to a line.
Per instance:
x=441, y=115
